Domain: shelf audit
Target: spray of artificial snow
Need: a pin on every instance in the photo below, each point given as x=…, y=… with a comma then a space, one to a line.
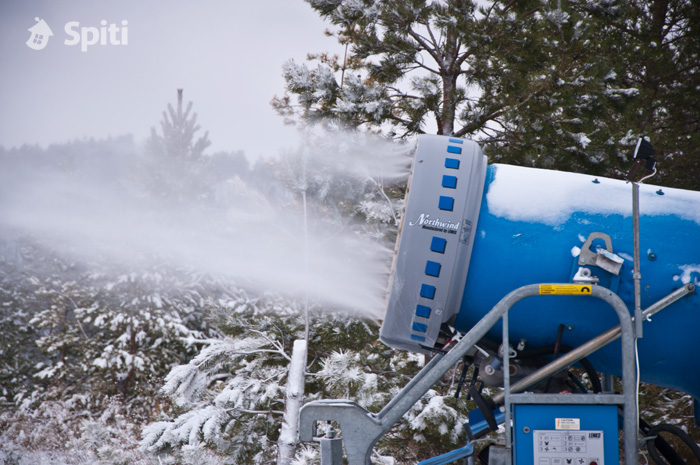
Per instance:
x=251, y=230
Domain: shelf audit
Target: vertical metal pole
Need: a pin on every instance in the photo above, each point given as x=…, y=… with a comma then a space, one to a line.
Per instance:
x=637, y=273
x=331, y=449
x=607, y=383
x=506, y=387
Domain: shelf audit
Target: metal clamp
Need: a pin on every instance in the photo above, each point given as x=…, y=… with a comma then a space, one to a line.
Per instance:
x=360, y=429
x=604, y=258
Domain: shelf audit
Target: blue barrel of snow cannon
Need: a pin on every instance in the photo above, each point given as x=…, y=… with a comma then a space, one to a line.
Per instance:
x=471, y=233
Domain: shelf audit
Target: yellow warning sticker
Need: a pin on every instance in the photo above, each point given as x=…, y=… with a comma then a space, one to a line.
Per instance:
x=565, y=289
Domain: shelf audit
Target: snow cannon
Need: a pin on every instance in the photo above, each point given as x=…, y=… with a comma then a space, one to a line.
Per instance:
x=471, y=233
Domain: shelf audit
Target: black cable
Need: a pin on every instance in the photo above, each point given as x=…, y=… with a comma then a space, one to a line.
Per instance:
x=661, y=445
x=557, y=344
x=463, y=376
x=675, y=430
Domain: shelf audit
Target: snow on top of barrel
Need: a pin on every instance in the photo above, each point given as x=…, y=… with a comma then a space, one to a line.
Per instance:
x=551, y=197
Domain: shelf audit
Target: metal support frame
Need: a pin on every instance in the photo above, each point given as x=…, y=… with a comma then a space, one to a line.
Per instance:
x=628, y=398
x=361, y=429
x=591, y=346
x=637, y=274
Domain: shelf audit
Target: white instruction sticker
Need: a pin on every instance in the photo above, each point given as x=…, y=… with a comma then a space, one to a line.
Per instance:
x=573, y=424
x=568, y=448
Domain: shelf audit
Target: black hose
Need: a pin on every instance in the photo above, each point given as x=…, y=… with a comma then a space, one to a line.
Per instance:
x=560, y=334
x=660, y=443
x=675, y=430
x=557, y=345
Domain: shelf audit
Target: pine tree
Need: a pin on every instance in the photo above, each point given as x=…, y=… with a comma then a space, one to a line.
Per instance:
x=607, y=72
x=553, y=81
x=430, y=44
x=176, y=159
x=523, y=77
x=230, y=395
x=566, y=85
x=178, y=128
x=655, y=45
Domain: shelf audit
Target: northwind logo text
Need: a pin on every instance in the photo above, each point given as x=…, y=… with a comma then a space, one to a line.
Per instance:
x=435, y=224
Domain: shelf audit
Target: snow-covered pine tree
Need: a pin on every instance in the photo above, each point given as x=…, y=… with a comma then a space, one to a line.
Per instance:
x=405, y=66
x=523, y=76
x=85, y=369
x=654, y=47
x=231, y=395
x=551, y=76
x=566, y=85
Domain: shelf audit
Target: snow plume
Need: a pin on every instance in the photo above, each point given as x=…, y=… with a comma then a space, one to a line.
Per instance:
x=306, y=222
x=359, y=155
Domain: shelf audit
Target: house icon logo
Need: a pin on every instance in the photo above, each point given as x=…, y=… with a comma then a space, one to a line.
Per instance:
x=40, y=35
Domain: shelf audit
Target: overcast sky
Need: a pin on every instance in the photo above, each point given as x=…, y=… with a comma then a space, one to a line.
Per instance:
x=226, y=54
